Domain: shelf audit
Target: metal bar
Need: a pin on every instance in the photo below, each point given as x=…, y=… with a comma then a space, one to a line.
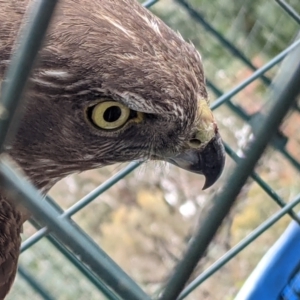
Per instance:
x=34, y=284
x=72, y=258
x=83, y=269
x=21, y=64
x=75, y=261
x=95, y=258
x=271, y=193
x=83, y=202
x=100, y=189
x=236, y=52
x=285, y=90
x=290, y=10
x=238, y=248
x=29, y=242
x=290, y=158
x=149, y=3
x=225, y=97
x=79, y=265
x=237, y=109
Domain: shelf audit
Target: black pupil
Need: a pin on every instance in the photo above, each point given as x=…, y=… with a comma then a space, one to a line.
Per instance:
x=112, y=114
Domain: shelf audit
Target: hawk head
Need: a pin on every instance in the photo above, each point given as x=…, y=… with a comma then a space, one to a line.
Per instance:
x=114, y=84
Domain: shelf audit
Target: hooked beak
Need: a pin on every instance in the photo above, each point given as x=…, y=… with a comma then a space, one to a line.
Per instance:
x=208, y=161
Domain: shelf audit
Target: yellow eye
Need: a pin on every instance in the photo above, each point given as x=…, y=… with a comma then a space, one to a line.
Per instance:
x=110, y=115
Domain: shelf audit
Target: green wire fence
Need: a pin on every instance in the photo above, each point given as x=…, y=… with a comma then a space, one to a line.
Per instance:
x=56, y=224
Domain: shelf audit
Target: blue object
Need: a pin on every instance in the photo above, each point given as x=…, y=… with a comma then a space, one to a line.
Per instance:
x=292, y=290
x=277, y=276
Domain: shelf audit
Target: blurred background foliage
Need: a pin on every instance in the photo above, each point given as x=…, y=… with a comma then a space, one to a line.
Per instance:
x=145, y=220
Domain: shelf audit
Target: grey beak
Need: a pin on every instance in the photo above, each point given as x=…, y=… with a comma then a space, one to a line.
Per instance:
x=208, y=161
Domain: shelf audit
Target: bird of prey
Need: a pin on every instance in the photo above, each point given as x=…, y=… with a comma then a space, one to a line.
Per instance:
x=112, y=84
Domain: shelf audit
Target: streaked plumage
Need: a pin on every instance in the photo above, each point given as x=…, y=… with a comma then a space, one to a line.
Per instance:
x=96, y=51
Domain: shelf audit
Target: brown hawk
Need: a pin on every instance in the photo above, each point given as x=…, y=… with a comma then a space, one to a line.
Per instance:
x=112, y=84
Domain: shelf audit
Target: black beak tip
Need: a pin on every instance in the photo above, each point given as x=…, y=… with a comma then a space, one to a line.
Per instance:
x=211, y=178
x=213, y=158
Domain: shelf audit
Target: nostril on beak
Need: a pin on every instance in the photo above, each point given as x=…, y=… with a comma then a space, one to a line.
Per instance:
x=194, y=143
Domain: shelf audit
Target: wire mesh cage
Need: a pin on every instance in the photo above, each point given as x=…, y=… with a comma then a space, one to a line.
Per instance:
x=143, y=217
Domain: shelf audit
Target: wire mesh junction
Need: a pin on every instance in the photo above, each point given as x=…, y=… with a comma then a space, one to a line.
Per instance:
x=82, y=251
